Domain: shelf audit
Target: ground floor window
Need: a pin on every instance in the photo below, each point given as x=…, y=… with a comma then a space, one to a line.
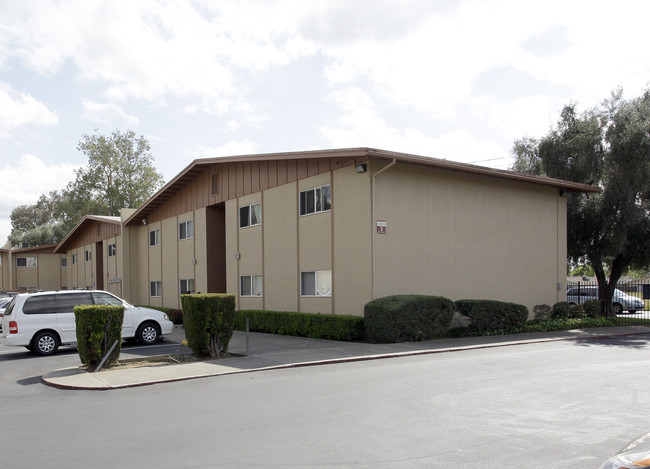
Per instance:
x=316, y=283
x=155, y=288
x=26, y=261
x=187, y=286
x=250, y=285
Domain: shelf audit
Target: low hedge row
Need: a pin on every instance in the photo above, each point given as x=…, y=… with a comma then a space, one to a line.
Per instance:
x=407, y=318
x=315, y=326
x=492, y=315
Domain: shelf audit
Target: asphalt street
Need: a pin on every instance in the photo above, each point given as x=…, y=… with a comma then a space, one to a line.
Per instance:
x=560, y=404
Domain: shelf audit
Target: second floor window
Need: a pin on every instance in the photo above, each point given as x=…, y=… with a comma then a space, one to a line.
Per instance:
x=74, y=258
x=87, y=253
x=154, y=237
x=111, y=250
x=250, y=215
x=186, y=230
x=315, y=200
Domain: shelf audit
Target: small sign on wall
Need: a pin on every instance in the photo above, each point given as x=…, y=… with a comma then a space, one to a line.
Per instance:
x=381, y=227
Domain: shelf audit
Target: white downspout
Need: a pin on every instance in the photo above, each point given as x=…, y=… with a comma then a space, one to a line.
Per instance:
x=374, y=237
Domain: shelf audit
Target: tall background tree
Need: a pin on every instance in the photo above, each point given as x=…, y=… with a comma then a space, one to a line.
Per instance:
x=119, y=174
x=608, y=146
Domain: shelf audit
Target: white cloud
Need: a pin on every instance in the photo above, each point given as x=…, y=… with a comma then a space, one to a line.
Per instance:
x=18, y=109
x=361, y=125
x=106, y=113
x=24, y=180
x=231, y=148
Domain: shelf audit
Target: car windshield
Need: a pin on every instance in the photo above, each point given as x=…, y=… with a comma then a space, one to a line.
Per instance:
x=10, y=307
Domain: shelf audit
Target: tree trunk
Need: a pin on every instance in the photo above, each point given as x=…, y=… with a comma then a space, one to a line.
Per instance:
x=606, y=288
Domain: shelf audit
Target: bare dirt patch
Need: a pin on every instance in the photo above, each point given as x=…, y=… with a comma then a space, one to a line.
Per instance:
x=160, y=360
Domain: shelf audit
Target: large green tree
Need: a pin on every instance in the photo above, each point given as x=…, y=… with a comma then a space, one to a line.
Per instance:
x=608, y=146
x=119, y=174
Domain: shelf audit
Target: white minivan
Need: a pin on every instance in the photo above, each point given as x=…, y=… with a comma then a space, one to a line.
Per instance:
x=44, y=320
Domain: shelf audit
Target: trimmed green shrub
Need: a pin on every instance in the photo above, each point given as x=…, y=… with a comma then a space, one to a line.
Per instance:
x=407, y=318
x=576, y=311
x=98, y=327
x=492, y=315
x=542, y=312
x=591, y=308
x=313, y=325
x=560, y=310
x=208, y=320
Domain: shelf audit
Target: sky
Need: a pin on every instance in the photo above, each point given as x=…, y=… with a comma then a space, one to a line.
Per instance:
x=453, y=79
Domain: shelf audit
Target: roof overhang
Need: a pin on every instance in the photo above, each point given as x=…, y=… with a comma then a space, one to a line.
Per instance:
x=197, y=166
x=81, y=226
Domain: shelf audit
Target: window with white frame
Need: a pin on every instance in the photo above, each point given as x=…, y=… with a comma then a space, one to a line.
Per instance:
x=155, y=288
x=186, y=230
x=250, y=215
x=26, y=261
x=250, y=285
x=186, y=286
x=75, y=258
x=154, y=237
x=315, y=200
x=87, y=255
x=111, y=250
x=316, y=283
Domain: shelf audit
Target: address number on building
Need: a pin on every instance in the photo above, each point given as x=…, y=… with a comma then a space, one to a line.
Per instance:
x=381, y=226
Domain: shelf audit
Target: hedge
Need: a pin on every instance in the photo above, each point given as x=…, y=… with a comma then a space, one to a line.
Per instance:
x=208, y=320
x=407, y=318
x=98, y=327
x=492, y=315
x=312, y=325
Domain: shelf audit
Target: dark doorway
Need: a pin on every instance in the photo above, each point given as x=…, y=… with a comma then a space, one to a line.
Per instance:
x=216, y=249
x=99, y=266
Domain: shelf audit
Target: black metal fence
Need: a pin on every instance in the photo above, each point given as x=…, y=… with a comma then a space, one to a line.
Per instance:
x=631, y=301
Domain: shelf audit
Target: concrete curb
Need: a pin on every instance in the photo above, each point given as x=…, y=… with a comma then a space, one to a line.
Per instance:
x=75, y=378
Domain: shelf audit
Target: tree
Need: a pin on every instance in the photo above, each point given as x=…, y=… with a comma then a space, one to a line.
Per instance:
x=119, y=174
x=608, y=146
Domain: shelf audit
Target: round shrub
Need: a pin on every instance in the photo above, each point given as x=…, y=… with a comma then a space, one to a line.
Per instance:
x=407, y=318
x=576, y=311
x=542, y=312
x=591, y=308
x=560, y=310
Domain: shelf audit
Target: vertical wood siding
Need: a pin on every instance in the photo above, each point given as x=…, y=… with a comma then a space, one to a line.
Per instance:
x=237, y=179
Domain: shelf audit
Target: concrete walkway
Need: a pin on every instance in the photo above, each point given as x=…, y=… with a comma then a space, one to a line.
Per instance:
x=269, y=352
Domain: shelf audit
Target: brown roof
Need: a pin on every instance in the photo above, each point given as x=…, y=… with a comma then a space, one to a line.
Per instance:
x=359, y=154
x=44, y=249
x=82, y=225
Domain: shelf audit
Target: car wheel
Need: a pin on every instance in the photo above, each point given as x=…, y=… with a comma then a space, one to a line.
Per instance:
x=45, y=343
x=617, y=308
x=148, y=333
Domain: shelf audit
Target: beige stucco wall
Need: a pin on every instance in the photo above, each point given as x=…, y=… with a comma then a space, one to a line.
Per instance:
x=352, y=248
x=46, y=275
x=81, y=274
x=169, y=262
x=5, y=276
x=286, y=244
x=280, y=225
x=463, y=236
